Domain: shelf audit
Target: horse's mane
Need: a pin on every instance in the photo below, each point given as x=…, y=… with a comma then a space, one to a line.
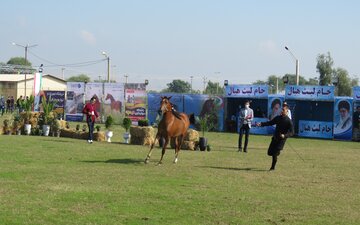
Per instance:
x=176, y=114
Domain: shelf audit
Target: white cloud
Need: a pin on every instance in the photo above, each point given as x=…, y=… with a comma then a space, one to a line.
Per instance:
x=267, y=46
x=88, y=37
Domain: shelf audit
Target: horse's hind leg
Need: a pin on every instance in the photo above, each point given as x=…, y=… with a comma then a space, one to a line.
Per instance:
x=163, y=150
x=151, y=148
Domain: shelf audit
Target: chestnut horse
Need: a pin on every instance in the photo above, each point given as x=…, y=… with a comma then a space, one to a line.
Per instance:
x=115, y=105
x=172, y=125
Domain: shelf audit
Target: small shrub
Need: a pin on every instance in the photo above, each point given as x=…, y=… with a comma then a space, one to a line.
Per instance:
x=126, y=123
x=143, y=123
x=109, y=122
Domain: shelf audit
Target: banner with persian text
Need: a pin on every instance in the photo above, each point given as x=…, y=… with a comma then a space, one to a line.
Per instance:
x=246, y=91
x=309, y=92
x=318, y=129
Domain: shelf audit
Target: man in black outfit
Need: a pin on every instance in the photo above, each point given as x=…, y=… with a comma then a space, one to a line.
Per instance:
x=284, y=129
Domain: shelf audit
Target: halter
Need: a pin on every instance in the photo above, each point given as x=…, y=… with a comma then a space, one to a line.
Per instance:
x=165, y=105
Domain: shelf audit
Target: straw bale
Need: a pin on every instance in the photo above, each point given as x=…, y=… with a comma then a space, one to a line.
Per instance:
x=192, y=135
x=142, y=135
x=186, y=145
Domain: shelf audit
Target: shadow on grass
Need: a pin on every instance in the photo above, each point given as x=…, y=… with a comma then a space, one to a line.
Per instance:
x=234, y=168
x=121, y=161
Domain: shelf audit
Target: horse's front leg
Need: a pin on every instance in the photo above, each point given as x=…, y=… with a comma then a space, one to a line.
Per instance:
x=163, y=150
x=151, y=148
x=178, y=142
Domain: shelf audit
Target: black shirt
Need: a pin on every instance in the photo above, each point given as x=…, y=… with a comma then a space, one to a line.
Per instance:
x=283, y=126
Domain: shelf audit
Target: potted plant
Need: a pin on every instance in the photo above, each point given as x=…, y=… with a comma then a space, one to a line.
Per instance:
x=97, y=127
x=27, y=105
x=84, y=128
x=77, y=127
x=17, y=124
x=126, y=124
x=47, y=116
x=6, y=127
x=109, y=122
x=204, y=127
x=143, y=122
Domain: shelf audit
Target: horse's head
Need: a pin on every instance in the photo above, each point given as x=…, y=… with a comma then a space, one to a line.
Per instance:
x=108, y=96
x=165, y=104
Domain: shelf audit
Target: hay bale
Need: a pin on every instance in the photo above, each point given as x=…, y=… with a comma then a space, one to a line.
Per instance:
x=99, y=136
x=142, y=135
x=72, y=133
x=192, y=135
x=186, y=145
x=62, y=124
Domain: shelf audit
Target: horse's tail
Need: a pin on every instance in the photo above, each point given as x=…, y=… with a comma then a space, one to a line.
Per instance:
x=191, y=118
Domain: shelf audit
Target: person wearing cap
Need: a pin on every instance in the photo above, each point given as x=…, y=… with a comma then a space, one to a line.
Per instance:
x=289, y=112
x=345, y=118
x=90, y=112
x=284, y=129
x=246, y=116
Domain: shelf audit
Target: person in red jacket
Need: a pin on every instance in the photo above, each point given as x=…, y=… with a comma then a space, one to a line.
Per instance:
x=91, y=115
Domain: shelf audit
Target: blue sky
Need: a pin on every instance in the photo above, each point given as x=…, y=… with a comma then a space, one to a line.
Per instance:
x=162, y=40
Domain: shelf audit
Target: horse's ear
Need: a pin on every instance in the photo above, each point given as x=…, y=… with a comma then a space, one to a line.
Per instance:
x=169, y=97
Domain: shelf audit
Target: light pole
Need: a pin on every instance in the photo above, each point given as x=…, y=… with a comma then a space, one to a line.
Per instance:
x=26, y=49
x=191, y=78
x=108, y=66
x=297, y=65
x=126, y=78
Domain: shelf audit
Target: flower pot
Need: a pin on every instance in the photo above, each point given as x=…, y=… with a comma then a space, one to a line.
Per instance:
x=108, y=135
x=18, y=132
x=46, y=130
x=202, y=143
x=127, y=137
x=27, y=129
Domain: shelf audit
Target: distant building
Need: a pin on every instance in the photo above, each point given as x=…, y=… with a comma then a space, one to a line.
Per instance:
x=14, y=84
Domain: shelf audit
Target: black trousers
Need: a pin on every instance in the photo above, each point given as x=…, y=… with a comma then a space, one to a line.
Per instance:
x=244, y=129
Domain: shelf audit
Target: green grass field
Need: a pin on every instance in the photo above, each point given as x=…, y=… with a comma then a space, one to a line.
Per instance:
x=46, y=180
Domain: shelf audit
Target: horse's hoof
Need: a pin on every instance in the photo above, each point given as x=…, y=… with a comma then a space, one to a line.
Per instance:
x=175, y=161
x=159, y=164
x=146, y=161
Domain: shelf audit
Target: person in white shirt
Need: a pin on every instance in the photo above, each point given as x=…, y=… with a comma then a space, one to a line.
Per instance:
x=288, y=112
x=246, y=116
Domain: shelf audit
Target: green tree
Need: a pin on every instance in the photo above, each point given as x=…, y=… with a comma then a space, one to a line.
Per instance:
x=344, y=85
x=213, y=88
x=79, y=78
x=19, y=61
x=178, y=86
x=324, y=67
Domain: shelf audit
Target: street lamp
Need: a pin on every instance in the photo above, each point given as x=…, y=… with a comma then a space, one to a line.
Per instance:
x=191, y=79
x=297, y=65
x=26, y=49
x=108, y=65
x=146, y=82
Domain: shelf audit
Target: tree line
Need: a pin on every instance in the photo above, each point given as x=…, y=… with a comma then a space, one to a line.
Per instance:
x=328, y=75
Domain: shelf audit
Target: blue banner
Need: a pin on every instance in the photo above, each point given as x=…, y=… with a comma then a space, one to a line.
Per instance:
x=309, y=92
x=318, y=129
x=343, y=118
x=258, y=130
x=356, y=92
x=202, y=105
x=246, y=91
x=154, y=105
